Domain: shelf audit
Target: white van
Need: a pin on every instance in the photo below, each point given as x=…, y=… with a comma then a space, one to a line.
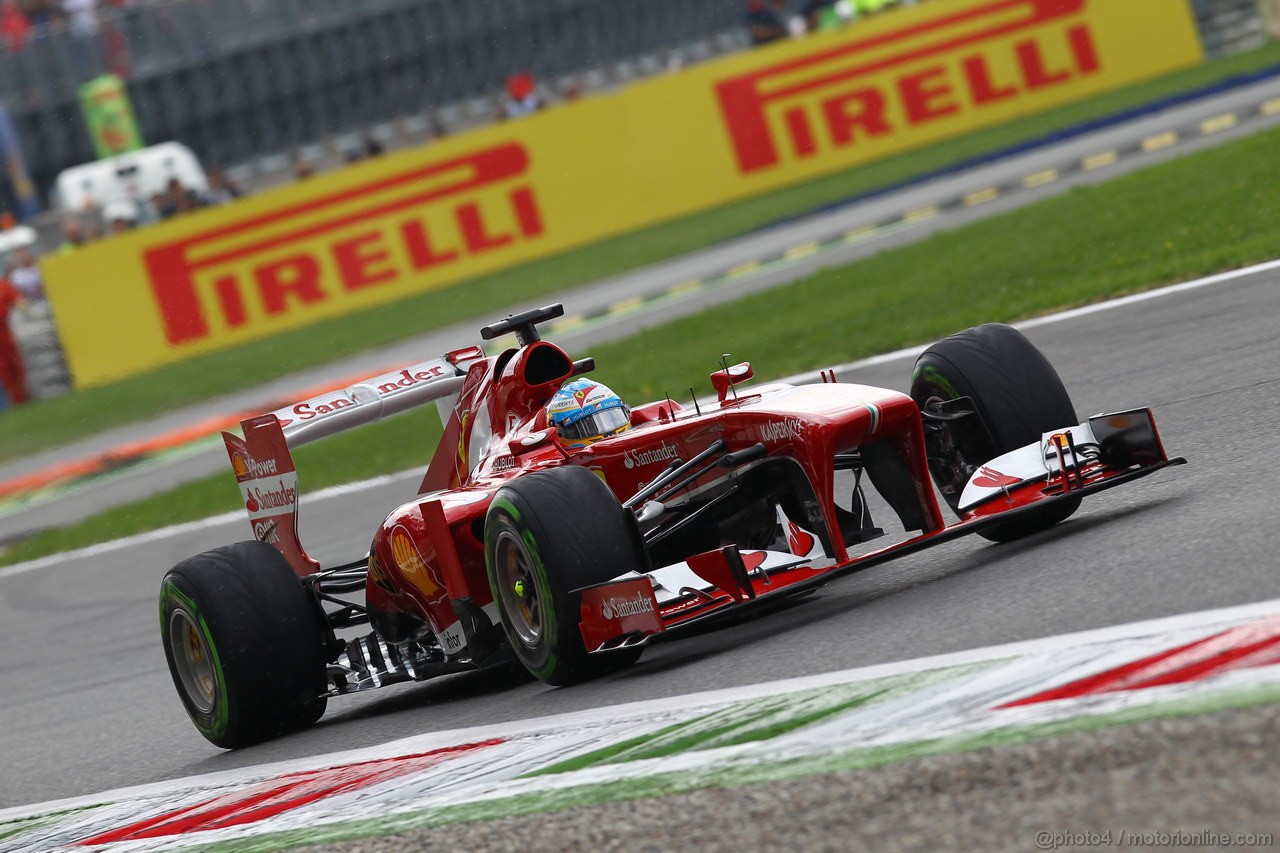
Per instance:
x=12, y=239
x=134, y=177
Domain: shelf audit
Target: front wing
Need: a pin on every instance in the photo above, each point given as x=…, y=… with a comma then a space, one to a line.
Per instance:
x=1104, y=452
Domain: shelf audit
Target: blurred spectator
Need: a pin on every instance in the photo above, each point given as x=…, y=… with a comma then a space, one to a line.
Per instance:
x=766, y=20
x=174, y=200
x=121, y=216
x=82, y=17
x=221, y=189
x=161, y=207
x=871, y=7
x=14, y=26
x=819, y=14
x=74, y=234
x=522, y=97
x=42, y=14
x=26, y=276
x=302, y=168
x=12, y=377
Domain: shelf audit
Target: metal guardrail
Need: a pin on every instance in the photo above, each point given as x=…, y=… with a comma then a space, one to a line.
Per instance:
x=37, y=337
x=1229, y=26
x=235, y=78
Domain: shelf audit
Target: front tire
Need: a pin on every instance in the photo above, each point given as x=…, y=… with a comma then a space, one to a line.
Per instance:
x=1018, y=397
x=245, y=644
x=547, y=534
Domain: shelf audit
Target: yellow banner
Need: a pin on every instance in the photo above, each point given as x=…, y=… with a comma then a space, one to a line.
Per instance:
x=429, y=217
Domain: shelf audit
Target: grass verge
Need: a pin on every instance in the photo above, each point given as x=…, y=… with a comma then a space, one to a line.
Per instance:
x=1192, y=216
x=53, y=422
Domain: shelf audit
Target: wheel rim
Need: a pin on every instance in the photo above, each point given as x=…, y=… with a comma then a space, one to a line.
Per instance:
x=518, y=591
x=193, y=660
x=950, y=466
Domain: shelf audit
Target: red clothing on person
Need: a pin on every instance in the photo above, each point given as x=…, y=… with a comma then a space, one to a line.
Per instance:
x=14, y=26
x=12, y=377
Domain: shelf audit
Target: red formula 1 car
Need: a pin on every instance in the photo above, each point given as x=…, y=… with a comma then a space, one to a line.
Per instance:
x=571, y=560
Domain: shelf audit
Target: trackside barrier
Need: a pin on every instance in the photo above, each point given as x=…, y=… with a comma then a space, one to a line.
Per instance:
x=37, y=338
x=427, y=218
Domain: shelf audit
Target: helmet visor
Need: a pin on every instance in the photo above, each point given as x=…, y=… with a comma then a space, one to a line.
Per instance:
x=596, y=425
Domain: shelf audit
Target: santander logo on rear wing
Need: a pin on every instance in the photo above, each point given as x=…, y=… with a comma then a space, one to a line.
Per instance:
x=264, y=466
x=377, y=397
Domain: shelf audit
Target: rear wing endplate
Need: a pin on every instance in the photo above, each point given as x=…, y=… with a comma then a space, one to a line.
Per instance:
x=264, y=466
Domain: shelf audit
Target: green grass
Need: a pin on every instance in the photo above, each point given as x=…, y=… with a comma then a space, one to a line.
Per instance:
x=1192, y=216
x=54, y=422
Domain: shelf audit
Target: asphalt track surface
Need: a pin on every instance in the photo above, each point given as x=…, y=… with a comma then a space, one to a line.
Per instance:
x=87, y=703
x=136, y=483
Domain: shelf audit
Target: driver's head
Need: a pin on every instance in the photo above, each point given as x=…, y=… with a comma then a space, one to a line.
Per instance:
x=583, y=411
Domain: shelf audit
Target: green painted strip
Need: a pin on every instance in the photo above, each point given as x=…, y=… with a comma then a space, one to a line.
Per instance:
x=760, y=719
x=714, y=730
x=738, y=775
x=11, y=829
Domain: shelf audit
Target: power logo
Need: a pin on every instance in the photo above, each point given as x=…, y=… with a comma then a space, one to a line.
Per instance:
x=297, y=258
x=925, y=71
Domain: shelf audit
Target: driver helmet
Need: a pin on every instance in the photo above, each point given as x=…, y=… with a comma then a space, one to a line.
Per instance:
x=583, y=412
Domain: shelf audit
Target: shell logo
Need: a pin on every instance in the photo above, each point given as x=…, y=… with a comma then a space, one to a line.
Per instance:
x=798, y=539
x=239, y=465
x=379, y=575
x=990, y=478
x=413, y=566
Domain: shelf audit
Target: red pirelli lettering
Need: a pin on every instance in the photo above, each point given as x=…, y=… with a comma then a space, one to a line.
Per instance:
x=231, y=301
x=297, y=277
x=985, y=90
x=361, y=261
x=839, y=78
x=926, y=95
x=418, y=243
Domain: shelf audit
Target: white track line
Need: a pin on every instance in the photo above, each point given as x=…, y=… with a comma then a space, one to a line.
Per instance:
x=202, y=524
x=1058, y=317
x=811, y=376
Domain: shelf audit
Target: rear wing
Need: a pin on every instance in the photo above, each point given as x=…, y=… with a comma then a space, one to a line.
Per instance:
x=375, y=398
x=264, y=466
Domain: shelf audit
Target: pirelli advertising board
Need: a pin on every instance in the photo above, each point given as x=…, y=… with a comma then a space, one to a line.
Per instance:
x=430, y=217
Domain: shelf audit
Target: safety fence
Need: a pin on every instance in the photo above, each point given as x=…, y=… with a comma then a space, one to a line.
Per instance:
x=36, y=335
x=1229, y=26
x=234, y=78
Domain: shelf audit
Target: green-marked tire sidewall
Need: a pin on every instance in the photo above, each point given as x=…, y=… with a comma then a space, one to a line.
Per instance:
x=1016, y=394
x=266, y=639
x=932, y=375
x=500, y=507
x=213, y=724
x=574, y=534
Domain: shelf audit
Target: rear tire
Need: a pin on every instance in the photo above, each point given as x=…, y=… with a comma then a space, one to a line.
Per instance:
x=547, y=534
x=245, y=644
x=1018, y=397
